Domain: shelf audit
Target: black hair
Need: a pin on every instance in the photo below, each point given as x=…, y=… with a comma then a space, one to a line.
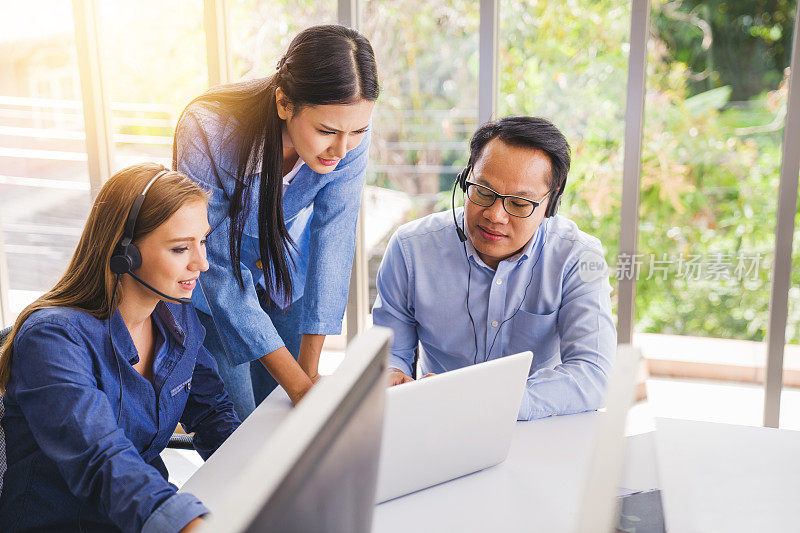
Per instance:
x=323, y=65
x=527, y=132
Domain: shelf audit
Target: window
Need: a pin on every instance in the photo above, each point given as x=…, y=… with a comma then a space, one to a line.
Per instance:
x=44, y=184
x=427, y=56
x=154, y=63
x=549, y=68
x=259, y=32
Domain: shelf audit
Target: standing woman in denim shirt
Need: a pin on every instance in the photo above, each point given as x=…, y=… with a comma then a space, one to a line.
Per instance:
x=284, y=159
x=98, y=371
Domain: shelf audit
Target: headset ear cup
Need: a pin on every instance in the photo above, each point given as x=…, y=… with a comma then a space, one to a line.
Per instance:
x=552, y=206
x=125, y=259
x=462, y=178
x=119, y=261
x=135, y=257
x=556, y=205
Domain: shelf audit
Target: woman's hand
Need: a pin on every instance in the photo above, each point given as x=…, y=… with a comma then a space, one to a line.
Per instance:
x=191, y=526
x=287, y=373
x=308, y=358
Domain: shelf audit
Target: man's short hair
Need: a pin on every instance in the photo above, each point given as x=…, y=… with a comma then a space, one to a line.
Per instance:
x=527, y=132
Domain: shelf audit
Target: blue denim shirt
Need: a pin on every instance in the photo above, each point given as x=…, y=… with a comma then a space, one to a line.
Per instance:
x=65, y=451
x=320, y=211
x=564, y=318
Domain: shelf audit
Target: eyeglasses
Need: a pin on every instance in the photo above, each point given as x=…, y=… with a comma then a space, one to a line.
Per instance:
x=516, y=206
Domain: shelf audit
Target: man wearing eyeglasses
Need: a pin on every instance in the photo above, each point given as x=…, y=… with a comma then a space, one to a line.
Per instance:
x=504, y=274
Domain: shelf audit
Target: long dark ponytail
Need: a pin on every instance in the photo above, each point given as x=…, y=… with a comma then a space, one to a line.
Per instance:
x=323, y=65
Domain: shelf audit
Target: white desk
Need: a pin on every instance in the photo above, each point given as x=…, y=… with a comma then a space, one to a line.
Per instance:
x=531, y=490
x=723, y=477
x=747, y=476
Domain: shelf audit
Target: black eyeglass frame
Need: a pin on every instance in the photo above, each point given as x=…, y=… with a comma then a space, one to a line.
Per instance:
x=503, y=198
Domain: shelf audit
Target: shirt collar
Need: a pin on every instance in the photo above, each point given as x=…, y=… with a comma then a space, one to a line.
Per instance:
x=164, y=314
x=123, y=343
x=534, y=244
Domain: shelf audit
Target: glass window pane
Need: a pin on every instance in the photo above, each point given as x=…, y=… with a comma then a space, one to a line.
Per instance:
x=44, y=184
x=427, y=56
x=259, y=32
x=714, y=116
x=548, y=68
x=154, y=63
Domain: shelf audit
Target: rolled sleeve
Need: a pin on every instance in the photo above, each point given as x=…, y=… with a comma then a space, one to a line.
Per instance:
x=393, y=307
x=174, y=514
x=332, y=245
x=588, y=343
x=245, y=329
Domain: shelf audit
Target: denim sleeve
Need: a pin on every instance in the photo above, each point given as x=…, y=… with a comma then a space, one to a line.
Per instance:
x=75, y=427
x=588, y=344
x=393, y=307
x=332, y=244
x=174, y=514
x=209, y=411
x=245, y=329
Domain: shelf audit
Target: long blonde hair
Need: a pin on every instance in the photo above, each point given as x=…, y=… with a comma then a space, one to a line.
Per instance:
x=88, y=281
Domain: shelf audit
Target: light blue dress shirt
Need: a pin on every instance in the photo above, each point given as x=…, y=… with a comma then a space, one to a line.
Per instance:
x=320, y=212
x=564, y=317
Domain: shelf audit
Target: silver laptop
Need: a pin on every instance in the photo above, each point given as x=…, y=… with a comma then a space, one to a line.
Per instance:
x=449, y=425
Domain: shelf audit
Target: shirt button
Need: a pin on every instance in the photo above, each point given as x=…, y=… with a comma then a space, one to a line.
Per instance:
x=259, y=264
x=188, y=386
x=494, y=323
x=499, y=282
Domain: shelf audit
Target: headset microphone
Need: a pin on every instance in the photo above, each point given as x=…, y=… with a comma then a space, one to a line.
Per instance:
x=184, y=301
x=461, y=235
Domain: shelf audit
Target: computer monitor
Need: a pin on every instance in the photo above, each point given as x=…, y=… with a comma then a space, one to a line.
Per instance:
x=318, y=471
x=599, y=511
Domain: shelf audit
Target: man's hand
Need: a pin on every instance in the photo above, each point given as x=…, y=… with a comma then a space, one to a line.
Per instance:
x=398, y=377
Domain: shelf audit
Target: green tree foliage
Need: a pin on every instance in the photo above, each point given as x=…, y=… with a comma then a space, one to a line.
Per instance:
x=710, y=167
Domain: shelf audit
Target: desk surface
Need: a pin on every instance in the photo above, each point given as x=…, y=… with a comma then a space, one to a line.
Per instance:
x=733, y=470
x=543, y=471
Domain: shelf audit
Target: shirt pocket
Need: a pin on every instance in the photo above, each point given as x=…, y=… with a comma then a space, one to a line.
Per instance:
x=537, y=333
x=185, y=386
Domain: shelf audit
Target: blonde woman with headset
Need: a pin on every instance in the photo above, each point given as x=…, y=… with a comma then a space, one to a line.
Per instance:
x=98, y=371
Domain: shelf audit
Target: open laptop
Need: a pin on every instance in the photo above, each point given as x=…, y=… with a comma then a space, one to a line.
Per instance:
x=449, y=425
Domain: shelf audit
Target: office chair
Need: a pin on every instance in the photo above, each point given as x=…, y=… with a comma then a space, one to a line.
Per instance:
x=3, y=334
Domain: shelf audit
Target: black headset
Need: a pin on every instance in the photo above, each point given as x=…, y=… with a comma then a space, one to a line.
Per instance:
x=127, y=257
